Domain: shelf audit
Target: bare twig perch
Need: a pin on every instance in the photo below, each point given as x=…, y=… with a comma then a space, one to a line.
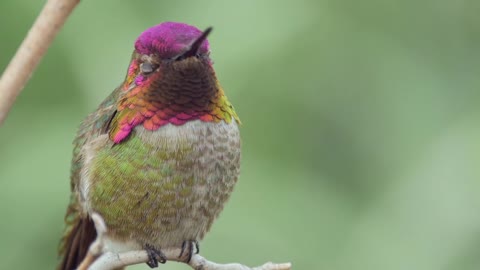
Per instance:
x=109, y=261
x=29, y=54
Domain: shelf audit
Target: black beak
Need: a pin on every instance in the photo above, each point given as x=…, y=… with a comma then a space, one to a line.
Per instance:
x=193, y=50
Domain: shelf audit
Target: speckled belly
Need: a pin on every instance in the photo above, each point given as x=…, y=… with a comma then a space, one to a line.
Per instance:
x=166, y=186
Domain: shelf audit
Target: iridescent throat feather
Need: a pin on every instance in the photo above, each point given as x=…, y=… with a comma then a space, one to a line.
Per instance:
x=175, y=93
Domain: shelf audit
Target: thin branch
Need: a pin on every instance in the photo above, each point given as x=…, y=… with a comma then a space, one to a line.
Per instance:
x=108, y=261
x=18, y=72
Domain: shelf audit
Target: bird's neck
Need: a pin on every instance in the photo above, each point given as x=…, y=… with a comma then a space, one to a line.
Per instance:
x=174, y=96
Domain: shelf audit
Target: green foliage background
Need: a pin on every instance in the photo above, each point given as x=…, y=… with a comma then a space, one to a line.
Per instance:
x=360, y=135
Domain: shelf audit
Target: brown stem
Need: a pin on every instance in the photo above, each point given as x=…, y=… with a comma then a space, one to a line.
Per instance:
x=18, y=72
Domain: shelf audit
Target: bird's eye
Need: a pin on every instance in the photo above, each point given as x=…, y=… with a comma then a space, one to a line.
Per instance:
x=147, y=68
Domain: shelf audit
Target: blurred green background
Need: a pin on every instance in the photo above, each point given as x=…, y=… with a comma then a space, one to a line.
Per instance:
x=361, y=139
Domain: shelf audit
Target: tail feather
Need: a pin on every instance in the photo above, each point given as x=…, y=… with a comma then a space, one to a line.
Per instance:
x=74, y=246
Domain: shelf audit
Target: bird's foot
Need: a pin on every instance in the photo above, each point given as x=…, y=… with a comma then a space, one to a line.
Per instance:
x=187, y=248
x=155, y=256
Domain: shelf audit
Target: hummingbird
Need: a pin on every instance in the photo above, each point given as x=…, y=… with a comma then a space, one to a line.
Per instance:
x=159, y=157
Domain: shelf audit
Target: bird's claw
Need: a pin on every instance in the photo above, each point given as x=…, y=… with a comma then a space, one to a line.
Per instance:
x=188, y=246
x=155, y=256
